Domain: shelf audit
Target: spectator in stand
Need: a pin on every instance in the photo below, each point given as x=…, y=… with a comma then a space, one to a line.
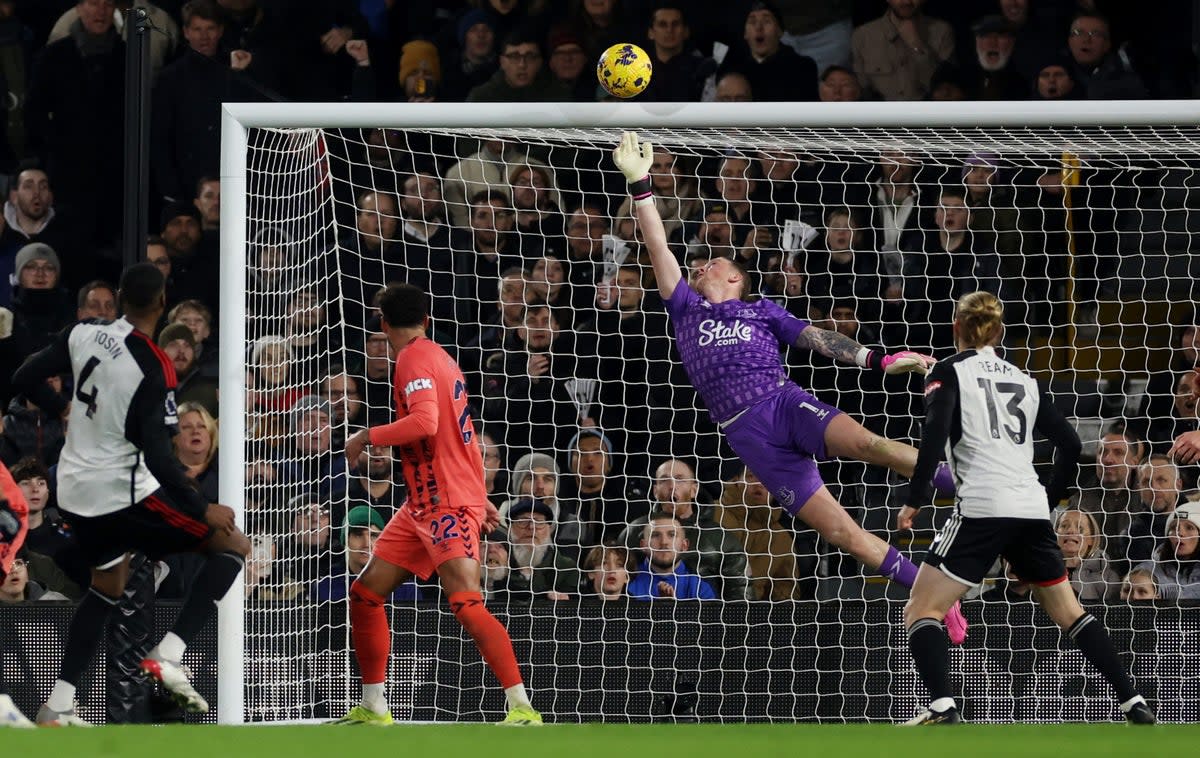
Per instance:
x=484, y=251
x=156, y=253
x=536, y=475
x=308, y=333
x=48, y=534
x=773, y=569
x=493, y=465
x=607, y=569
x=1038, y=33
x=538, y=383
x=309, y=461
x=473, y=61
x=1109, y=493
x=267, y=272
x=377, y=371
x=896, y=55
x=193, y=276
x=1099, y=68
x=74, y=118
x=1160, y=487
x=1159, y=400
x=30, y=216
x=428, y=257
x=369, y=255
x=894, y=201
x=185, y=129
x=179, y=344
x=96, y=299
x=373, y=481
x=196, y=447
x=483, y=170
x=18, y=588
x=493, y=569
x=602, y=500
x=1080, y=540
x=208, y=202
x=537, y=569
x=41, y=308
x=343, y=392
x=302, y=550
x=947, y=266
x=992, y=75
x=600, y=24
x=1183, y=418
x=717, y=555
x=679, y=70
x=270, y=364
x=569, y=64
x=776, y=72
x=586, y=227
x=839, y=85
x=1176, y=565
x=639, y=380
x=361, y=527
x=195, y=316
x=1138, y=586
x=162, y=42
x=516, y=294
x=662, y=573
x=733, y=87
x=846, y=268
x=29, y=432
x=522, y=78
x=547, y=282
x=540, y=227
x=420, y=73
x=1055, y=81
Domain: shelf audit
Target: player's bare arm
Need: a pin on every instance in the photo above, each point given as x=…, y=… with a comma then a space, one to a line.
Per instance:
x=633, y=158
x=838, y=346
x=829, y=343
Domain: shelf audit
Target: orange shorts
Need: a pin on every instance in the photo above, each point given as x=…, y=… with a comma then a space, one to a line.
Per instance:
x=422, y=542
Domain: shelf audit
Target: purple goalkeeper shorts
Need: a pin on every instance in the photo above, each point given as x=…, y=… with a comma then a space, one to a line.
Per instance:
x=779, y=440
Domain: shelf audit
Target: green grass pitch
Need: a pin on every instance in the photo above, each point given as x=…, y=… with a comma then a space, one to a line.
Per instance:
x=608, y=741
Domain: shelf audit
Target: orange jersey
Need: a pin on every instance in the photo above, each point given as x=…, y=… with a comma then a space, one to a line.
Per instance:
x=16, y=503
x=433, y=431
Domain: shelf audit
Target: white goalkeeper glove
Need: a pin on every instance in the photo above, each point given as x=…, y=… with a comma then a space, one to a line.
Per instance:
x=633, y=158
x=906, y=361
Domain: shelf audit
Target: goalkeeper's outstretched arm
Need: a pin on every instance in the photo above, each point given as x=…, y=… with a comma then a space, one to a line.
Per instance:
x=634, y=159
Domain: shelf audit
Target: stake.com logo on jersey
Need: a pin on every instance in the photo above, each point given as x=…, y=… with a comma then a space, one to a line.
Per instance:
x=416, y=385
x=713, y=331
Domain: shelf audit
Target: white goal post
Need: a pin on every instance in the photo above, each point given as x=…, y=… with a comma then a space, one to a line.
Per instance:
x=1164, y=133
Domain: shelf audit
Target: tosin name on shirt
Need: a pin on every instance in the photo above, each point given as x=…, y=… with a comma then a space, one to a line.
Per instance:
x=996, y=367
x=713, y=331
x=110, y=343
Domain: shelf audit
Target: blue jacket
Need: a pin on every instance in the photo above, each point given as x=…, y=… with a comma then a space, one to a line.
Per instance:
x=688, y=586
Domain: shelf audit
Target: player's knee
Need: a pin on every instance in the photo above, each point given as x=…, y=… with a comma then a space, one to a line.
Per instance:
x=914, y=612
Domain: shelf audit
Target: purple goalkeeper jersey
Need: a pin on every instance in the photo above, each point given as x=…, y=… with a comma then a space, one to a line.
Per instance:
x=730, y=350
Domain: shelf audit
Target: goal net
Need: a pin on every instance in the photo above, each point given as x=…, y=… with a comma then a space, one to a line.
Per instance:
x=870, y=220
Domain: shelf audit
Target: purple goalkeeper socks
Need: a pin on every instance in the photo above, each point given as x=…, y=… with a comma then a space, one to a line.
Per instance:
x=943, y=479
x=898, y=568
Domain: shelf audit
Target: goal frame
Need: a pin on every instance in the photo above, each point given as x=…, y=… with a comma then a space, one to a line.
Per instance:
x=238, y=118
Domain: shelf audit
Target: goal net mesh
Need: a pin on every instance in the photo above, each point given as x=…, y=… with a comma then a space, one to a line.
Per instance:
x=1085, y=233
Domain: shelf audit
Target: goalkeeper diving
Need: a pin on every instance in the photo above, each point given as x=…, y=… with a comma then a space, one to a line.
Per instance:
x=729, y=342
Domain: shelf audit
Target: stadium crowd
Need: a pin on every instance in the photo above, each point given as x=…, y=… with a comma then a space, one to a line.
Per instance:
x=610, y=480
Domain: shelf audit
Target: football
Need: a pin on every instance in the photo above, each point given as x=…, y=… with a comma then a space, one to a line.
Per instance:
x=624, y=70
